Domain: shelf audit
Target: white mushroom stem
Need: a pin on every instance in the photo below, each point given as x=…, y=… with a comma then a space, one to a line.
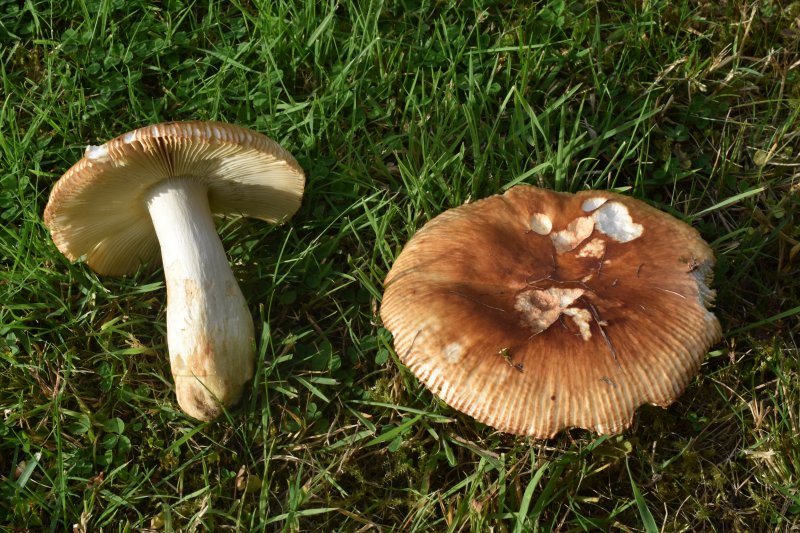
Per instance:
x=209, y=327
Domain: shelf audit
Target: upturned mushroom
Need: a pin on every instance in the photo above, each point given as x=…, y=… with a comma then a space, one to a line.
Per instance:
x=536, y=311
x=157, y=187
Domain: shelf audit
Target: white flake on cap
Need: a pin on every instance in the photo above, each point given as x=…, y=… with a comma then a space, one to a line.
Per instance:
x=594, y=248
x=593, y=203
x=453, y=352
x=614, y=220
x=540, y=308
x=96, y=153
x=581, y=317
x=541, y=224
x=575, y=233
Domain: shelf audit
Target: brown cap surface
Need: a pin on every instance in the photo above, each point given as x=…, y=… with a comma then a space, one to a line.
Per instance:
x=98, y=208
x=536, y=311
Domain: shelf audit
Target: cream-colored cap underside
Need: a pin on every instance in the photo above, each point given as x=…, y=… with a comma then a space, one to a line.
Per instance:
x=98, y=208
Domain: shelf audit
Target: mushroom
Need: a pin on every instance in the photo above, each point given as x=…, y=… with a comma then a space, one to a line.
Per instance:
x=535, y=311
x=158, y=187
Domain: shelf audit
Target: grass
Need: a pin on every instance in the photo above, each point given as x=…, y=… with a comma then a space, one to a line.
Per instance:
x=397, y=110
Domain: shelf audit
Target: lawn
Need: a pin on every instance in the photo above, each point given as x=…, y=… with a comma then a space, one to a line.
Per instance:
x=397, y=111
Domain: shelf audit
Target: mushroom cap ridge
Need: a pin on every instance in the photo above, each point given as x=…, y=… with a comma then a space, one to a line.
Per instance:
x=97, y=208
x=627, y=321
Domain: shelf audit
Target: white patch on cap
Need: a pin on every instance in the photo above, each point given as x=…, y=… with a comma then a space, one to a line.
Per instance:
x=96, y=153
x=453, y=352
x=541, y=224
x=129, y=137
x=593, y=203
x=594, y=248
x=614, y=220
x=567, y=296
x=575, y=233
x=540, y=308
x=581, y=317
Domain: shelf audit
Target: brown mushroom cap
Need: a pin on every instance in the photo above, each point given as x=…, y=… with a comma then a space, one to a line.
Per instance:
x=97, y=208
x=536, y=311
